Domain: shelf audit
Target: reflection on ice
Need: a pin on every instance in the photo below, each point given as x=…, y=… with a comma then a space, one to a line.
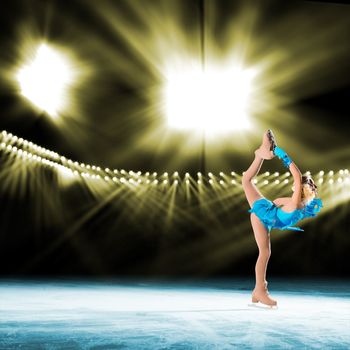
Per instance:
x=154, y=315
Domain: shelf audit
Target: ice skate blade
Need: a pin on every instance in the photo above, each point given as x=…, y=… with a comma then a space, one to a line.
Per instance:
x=272, y=139
x=259, y=305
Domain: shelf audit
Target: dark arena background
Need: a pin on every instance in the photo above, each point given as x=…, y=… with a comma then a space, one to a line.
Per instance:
x=126, y=127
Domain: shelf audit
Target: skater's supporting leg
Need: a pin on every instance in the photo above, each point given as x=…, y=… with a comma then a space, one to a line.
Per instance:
x=262, y=238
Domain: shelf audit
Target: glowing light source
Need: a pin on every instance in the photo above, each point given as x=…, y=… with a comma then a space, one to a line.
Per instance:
x=66, y=175
x=216, y=99
x=44, y=79
x=67, y=169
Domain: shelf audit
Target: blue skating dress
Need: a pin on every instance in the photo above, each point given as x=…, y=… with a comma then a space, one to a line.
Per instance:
x=274, y=217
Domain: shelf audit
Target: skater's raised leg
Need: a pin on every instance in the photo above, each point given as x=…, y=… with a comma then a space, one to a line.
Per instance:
x=261, y=234
x=250, y=190
x=263, y=152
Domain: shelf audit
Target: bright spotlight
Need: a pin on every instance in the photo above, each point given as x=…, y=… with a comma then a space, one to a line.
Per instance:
x=44, y=79
x=214, y=100
x=65, y=175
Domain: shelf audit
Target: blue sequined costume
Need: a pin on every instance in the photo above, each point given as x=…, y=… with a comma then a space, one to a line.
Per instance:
x=274, y=217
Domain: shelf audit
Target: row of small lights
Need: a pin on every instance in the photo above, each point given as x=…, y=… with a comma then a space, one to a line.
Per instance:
x=40, y=154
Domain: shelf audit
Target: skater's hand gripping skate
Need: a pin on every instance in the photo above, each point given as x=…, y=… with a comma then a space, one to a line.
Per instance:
x=280, y=153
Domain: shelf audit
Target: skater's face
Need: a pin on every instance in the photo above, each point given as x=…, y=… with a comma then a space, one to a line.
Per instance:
x=309, y=187
x=308, y=191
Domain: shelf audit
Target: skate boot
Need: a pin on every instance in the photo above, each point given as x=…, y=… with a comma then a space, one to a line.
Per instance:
x=272, y=139
x=265, y=151
x=265, y=286
x=262, y=296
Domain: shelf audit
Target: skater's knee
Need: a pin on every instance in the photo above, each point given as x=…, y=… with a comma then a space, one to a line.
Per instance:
x=265, y=252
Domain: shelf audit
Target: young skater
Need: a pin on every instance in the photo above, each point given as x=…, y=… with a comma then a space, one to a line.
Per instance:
x=266, y=215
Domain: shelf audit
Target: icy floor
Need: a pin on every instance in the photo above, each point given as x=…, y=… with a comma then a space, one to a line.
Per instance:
x=172, y=315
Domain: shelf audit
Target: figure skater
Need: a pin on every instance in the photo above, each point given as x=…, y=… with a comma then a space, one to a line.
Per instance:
x=266, y=215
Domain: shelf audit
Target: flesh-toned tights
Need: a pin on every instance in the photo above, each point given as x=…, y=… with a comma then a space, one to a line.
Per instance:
x=262, y=236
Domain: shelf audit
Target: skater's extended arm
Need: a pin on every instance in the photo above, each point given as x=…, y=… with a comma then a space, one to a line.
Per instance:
x=296, y=197
x=288, y=163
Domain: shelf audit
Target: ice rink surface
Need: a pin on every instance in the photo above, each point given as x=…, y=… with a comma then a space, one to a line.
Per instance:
x=149, y=314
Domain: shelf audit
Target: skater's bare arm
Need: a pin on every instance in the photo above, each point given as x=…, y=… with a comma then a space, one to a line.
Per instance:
x=287, y=161
x=296, y=198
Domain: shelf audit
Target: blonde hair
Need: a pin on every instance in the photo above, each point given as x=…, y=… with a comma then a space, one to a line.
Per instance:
x=309, y=191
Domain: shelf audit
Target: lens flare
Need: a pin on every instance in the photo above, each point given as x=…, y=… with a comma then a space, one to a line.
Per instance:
x=44, y=80
x=211, y=100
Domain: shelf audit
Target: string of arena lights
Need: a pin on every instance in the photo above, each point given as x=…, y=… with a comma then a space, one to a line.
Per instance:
x=28, y=151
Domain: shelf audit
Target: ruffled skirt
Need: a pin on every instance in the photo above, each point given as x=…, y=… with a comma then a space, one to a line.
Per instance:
x=266, y=211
